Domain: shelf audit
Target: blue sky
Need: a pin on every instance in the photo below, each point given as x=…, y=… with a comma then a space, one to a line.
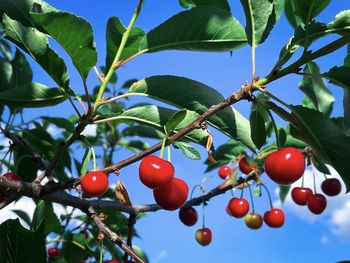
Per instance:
x=304, y=238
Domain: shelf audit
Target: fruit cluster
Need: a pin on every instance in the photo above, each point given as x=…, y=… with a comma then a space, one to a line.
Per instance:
x=169, y=192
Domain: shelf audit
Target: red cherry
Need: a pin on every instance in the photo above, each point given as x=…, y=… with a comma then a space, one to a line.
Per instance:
x=53, y=252
x=317, y=203
x=204, y=236
x=285, y=166
x=331, y=186
x=238, y=207
x=244, y=166
x=111, y=261
x=225, y=171
x=188, y=215
x=94, y=183
x=171, y=196
x=228, y=210
x=274, y=218
x=155, y=172
x=253, y=220
x=300, y=195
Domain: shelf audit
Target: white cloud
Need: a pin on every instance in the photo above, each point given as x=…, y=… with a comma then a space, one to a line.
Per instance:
x=336, y=214
x=162, y=254
x=53, y=130
x=324, y=239
x=90, y=130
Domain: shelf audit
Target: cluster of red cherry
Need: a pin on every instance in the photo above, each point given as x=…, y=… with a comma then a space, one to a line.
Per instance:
x=169, y=192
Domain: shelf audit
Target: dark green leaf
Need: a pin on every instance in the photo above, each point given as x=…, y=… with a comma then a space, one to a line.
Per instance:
x=128, y=83
x=341, y=23
x=307, y=10
x=316, y=90
x=86, y=161
x=21, y=72
x=225, y=153
x=188, y=150
x=15, y=238
x=156, y=117
x=257, y=126
x=74, y=34
x=175, y=120
x=134, y=146
x=260, y=19
x=222, y=4
x=36, y=45
x=293, y=19
x=75, y=247
x=61, y=123
x=5, y=47
x=114, y=34
x=346, y=105
x=195, y=96
x=26, y=166
x=278, y=5
x=32, y=95
x=5, y=74
x=203, y=28
x=110, y=109
x=45, y=219
x=329, y=143
x=339, y=76
x=142, y=131
x=284, y=190
x=23, y=215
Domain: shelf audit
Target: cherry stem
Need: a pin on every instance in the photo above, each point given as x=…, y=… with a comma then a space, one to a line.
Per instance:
x=94, y=167
x=313, y=175
x=251, y=198
x=3, y=159
x=325, y=177
x=278, y=143
x=169, y=156
x=203, y=212
x=162, y=149
x=268, y=193
x=101, y=251
x=302, y=181
x=10, y=158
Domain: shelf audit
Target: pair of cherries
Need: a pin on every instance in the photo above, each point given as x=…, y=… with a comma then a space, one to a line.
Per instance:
x=170, y=193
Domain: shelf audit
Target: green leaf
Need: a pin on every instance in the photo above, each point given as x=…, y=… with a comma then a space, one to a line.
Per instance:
x=195, y=96
x=5, y=74
x=21, y=72
x=279, y=6
x=257, y=126
x=222, y=4
x=74, y=34
x=260, y=19
x=86, y=161
x=61, y=123
x=341, y=23
x=175, y=120
x=293, y=19
x=20, y=10
x=329, y=143
x=142, y=131
x=156, y=117
x=45, y=219
x=75, y=248
x=26, y=166
x=346, y=105
x=225, y=153
x=32, y=95
x=23, y=215
x=203, y=28
x=36, y=45
x=188, y=150
x=339, y=76
x=134, y=146
x=284, y=190
x=307, y=10
x=114, y=33
x=316, y=90
x=15, y=238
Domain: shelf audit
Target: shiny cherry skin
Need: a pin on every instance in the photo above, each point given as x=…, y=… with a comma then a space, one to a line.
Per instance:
x=274, y=218
x=53, y=252
x=331, y=186
x=238, y=207
x=171, y=196
x=285, y=166
x=10, y=176
x=204, y=236
x=94, y=183
x=111, y=261
x=225, y=171
x=253, y=220
x=155, y=172
x=300, y=195
x=188, y=215
x=228, y=210
x=317, y=203
x=244, y=166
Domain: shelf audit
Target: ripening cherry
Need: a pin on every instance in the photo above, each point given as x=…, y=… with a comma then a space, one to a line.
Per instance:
x=244, y=166
x=238, y=207
x=53, y=252
x=204, y=236
x=274, y=218
x=300, y=195
x=94, y=183
x=225, y=171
